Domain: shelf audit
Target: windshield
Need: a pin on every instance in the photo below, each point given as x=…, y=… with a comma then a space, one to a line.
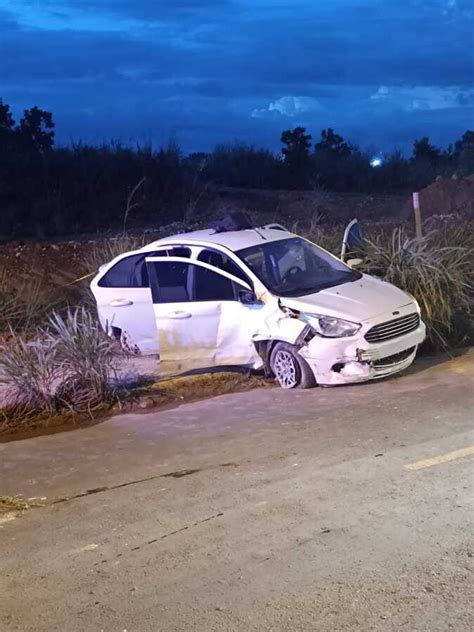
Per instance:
x=295, y=267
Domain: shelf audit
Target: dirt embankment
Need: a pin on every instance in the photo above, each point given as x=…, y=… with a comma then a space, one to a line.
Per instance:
x=449, y=196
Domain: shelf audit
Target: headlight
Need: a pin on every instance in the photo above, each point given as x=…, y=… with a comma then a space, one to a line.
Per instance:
x=332, y=327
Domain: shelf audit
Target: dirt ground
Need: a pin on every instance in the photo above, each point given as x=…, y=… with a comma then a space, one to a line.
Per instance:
x=328, y=509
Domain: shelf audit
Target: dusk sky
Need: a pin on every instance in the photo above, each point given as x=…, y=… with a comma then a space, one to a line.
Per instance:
x=381, y=72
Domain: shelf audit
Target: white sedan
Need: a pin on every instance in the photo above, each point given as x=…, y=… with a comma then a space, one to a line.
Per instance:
x=257, y=297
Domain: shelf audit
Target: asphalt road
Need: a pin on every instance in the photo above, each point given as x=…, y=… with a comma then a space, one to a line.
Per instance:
x=330, y=509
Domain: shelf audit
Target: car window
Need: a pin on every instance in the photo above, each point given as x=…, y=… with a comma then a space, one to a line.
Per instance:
x=169, y=281
x=122, y=274
x=295, y=267
x=212, y=286
x=132, y=271
x=176, y=251
x=176, y=282
x=223, y=262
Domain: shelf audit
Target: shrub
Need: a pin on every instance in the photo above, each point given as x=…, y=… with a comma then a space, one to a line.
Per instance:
x=86, y=356
x=29, y=370
x=26, y=304
x=437, y=272
x=70, y=366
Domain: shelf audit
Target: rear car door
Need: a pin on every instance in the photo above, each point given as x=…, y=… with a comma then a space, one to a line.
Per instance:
x=203, y=315
x=124, y=301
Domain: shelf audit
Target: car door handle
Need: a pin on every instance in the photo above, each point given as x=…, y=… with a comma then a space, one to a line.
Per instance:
x=121, y=302
x=178, y=315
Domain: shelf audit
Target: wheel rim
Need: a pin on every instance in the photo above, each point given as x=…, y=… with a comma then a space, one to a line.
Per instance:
x=285, y=369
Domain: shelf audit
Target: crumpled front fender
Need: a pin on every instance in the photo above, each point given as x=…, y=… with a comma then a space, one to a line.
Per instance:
x=280, y=325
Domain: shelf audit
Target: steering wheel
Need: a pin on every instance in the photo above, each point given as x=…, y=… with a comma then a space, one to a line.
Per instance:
x=291, y=273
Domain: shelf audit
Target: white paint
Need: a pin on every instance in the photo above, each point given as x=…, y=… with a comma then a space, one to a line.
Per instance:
x=416, y=201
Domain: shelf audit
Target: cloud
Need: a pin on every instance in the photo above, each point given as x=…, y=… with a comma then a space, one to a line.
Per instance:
x=425, y=97
x=288, y=106
x=217, y=69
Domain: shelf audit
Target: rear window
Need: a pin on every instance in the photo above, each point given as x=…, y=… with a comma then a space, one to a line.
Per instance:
x=131, y=272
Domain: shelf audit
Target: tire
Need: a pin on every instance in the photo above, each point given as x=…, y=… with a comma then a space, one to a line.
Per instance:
x=290, y=369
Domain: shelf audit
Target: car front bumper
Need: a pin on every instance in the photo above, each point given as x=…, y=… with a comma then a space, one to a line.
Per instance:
x=336, y=361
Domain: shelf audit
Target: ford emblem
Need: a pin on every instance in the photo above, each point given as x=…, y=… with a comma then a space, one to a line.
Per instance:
x=395, y=313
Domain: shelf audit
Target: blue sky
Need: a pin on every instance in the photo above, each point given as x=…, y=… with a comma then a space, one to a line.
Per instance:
x=381, y=72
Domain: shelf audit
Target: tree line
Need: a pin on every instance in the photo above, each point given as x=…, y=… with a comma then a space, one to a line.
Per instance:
x=50, y=190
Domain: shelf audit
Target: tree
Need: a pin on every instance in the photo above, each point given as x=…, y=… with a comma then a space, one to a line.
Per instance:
x=332, y=143
x=393, y=175
x=6, y=118
x=241, y=165
x=463, y=153
x=296, y=154
x=36, y=128
x=7, y=132
x=339, y=166
x=424, y=150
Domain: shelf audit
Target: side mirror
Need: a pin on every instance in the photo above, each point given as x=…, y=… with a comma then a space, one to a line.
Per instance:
x=246, y=297
x=354, y=263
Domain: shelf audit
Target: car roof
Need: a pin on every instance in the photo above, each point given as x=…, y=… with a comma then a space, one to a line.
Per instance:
x=234, y=240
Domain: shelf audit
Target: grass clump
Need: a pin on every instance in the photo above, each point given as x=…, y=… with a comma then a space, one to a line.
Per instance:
x=29, y=371
x=437, y=270
x=25, y=303
x=69, y=367
x=86, y=359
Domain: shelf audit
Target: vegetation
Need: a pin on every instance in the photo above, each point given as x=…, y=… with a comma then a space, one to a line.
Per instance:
x=437, y=270
x=68, y=366
x=47, y=190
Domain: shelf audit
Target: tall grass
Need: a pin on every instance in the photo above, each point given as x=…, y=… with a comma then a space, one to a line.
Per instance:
x=106, y=250
x=86, y=357
x=68, y=367
x=438, y=271
x=29, y=371
x=25, y=302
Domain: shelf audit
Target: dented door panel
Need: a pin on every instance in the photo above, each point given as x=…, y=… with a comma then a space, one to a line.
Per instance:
x=199, y=333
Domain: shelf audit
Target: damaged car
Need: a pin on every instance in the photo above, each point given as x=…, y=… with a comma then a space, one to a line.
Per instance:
x=257, y=297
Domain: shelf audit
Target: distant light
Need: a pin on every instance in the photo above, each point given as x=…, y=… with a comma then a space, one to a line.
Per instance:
x=376, y=162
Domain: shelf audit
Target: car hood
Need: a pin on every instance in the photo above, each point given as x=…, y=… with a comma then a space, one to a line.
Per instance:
x=358, y=301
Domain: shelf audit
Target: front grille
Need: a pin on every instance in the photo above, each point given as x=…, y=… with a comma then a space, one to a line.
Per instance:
x=393, y=328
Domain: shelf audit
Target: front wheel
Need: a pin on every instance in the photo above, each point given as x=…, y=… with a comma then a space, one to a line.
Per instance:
x=290, y=369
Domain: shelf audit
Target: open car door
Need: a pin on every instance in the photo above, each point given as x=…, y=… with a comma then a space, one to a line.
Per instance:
x=205, y=316
x=352, y=240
